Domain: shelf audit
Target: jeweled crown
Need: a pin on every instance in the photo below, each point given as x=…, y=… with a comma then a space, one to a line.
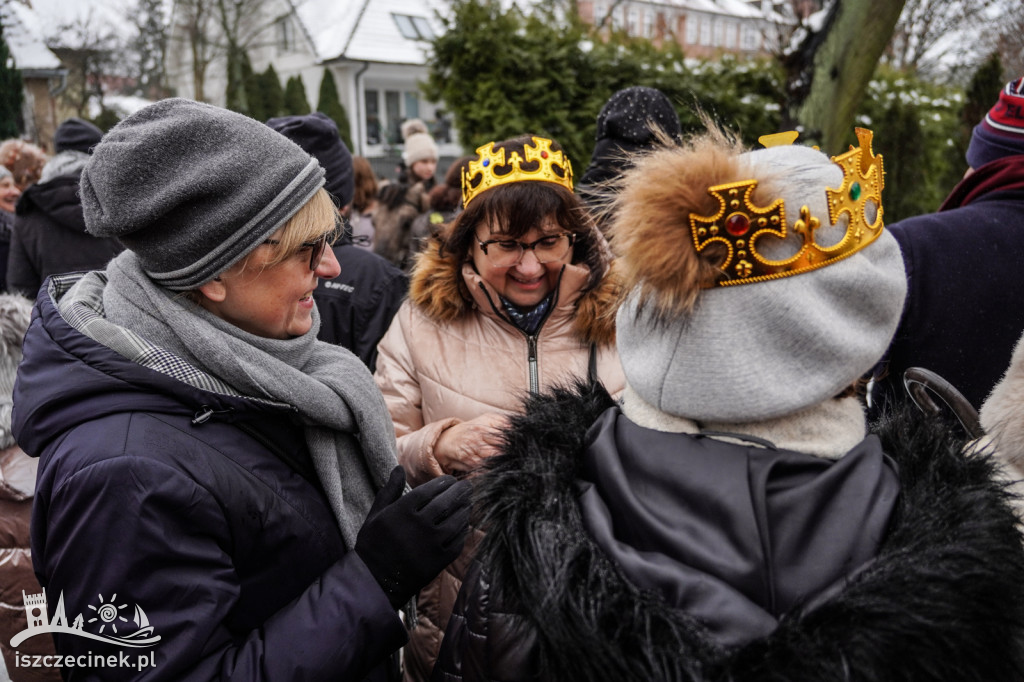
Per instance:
x=739, y=223
x=489, y=161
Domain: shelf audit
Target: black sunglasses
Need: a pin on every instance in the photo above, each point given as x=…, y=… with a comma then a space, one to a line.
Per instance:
x=317, y=246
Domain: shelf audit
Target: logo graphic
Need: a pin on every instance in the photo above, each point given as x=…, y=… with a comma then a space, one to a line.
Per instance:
x=107, y=622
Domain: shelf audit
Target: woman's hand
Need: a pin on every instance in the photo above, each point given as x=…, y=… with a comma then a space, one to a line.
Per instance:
x=465, y=446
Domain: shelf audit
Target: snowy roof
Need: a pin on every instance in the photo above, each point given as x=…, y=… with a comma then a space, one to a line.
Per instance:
x=23, y=33
x=386, y=31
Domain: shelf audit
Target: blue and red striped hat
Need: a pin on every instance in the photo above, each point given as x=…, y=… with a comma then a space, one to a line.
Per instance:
x=1001, y=133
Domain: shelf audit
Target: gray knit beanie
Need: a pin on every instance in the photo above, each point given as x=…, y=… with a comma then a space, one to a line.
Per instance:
x=767, y=349
x=192, y=188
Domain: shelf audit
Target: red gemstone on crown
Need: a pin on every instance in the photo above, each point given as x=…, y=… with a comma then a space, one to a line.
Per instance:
x=543, y=155
x=737, y=224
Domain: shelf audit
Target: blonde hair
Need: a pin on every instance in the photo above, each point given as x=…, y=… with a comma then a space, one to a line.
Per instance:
x=316, y=217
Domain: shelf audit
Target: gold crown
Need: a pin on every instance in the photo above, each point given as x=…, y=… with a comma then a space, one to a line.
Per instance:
x=738, y=224
x=488, y=162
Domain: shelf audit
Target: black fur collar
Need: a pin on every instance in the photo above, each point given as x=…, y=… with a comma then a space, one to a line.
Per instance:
x=943, y=601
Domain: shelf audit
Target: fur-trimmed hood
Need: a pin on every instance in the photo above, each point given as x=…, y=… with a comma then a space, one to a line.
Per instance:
x=943, y=600
x=445, y=289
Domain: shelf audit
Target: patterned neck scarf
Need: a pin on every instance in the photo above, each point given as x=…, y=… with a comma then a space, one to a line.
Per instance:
x=527, y=319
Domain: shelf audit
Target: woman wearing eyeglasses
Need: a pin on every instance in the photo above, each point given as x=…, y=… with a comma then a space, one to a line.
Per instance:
x=516, y=295
x=204, y=460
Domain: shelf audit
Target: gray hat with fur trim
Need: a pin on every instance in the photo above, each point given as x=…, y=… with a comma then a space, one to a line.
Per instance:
x=755, y=351
x=192, y=188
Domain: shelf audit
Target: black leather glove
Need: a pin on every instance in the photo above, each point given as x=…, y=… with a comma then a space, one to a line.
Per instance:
x=407, y=540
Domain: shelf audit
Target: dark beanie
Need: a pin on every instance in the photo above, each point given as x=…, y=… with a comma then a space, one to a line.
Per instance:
x=627, y=124
x=318, y=135
x=77, y=135
x=192, y=188
x=1001, y=132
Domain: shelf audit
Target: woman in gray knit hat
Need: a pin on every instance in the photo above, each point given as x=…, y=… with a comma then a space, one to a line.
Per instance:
x=734, y=517
x=202, y=455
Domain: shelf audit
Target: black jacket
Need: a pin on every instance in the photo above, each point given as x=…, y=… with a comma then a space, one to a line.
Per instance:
x=943, y=599
x=49, y=236
x=179, y=500
x=356, y=307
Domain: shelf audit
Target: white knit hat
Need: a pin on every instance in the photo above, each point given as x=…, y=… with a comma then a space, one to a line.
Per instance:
x=419, y=145
x=758, y=350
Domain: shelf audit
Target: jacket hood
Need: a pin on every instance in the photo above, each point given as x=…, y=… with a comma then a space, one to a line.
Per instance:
x=67, y=378
x=58, y=199
x=446, y=289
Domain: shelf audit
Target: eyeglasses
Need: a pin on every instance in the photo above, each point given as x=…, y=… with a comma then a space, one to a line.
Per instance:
x=504, y=253
x=317, y=246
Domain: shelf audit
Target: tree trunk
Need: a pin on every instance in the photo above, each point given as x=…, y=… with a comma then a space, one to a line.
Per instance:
x=830, y=70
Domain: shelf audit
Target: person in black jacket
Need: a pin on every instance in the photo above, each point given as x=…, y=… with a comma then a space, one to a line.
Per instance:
x=356, y=307
x=217, y=489
x=49, y=234
x=734, y=517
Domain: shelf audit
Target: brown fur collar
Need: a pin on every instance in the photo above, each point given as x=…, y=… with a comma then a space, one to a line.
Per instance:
x=439, y=290
x=651, y=229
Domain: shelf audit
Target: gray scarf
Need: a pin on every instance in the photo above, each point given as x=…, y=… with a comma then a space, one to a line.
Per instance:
x=347, y=426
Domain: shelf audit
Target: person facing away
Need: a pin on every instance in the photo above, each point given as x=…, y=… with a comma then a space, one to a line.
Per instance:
x=513, y=296
x=962, y=316
x=364, y=203
x=634, y=120
x=49, y=235
x=355, y=307
x=444, y=203
x=733, y=518
x=401, y=201
x=201, y=454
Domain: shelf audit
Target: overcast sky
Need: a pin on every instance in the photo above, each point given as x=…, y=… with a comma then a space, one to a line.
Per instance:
x=53, y=13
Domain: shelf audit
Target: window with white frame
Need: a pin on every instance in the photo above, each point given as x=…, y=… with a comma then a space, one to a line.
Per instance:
x=719, y=33
x=691, y=29
x=705, y=31
x=730, y=35
x=632, y=25
x=413, y=27
x=285, y=33
x=648, y=23
x=750, y=38
x=600, y=12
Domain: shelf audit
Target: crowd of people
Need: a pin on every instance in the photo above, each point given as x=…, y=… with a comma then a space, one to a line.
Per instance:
x=646, y=425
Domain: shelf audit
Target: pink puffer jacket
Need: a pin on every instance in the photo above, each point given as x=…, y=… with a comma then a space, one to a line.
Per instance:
x=450, y=356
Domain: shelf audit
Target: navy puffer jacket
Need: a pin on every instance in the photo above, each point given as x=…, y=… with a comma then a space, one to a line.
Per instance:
x=180, y=501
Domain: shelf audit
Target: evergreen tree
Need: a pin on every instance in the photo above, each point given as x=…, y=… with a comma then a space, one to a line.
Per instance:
x=271, y=94
x=239, y=76
x=329, y=103
x=10, y=91
x=981, y=94
x=295, y=103
x=149, y=45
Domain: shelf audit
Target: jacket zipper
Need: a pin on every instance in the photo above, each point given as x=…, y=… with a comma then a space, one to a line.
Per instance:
x=531, y=341
x=531, y=358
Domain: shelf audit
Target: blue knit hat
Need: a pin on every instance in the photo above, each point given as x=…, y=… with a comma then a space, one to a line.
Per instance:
x=318, y=135
x=1001, y=133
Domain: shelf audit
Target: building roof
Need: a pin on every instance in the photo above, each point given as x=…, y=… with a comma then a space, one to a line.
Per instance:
x=370, y=30
x=23, y=33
